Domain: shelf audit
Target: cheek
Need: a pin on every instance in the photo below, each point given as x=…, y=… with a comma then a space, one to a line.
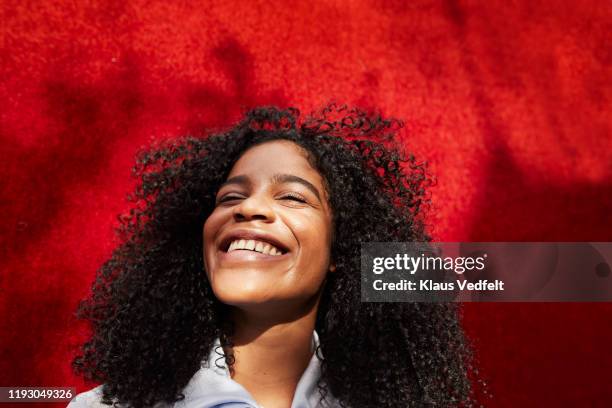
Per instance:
x=211, y=227
x=208, y=227
x=315, y=242
x=207, y=232
x=214, y=221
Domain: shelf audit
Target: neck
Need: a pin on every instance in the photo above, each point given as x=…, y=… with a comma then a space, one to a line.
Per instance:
x=271, y=352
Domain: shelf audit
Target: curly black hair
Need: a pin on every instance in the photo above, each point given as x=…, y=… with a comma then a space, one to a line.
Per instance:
x=155, y=318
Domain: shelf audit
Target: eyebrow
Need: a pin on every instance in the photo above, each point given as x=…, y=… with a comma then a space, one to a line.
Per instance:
x=290, y=178
x=240, y=180
x=277, y=179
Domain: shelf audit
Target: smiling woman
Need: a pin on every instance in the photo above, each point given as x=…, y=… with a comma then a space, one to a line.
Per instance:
x=237, y=282
x=273, y=199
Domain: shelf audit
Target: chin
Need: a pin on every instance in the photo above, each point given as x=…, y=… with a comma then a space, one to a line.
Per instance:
x=240, y=297
x=242, y=291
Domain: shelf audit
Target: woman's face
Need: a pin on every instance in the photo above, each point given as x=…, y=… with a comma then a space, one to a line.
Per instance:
x=268, y=240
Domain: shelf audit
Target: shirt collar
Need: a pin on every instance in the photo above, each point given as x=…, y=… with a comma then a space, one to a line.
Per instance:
x=212, y=385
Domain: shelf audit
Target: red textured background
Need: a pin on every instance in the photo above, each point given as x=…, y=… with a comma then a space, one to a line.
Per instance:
x=509, y=102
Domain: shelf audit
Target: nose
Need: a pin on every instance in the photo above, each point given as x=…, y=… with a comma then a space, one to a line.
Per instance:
x=254, y=207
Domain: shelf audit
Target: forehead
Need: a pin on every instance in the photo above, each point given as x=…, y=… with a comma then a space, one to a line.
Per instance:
x=275, y=157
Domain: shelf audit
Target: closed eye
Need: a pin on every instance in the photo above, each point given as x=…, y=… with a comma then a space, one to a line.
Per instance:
x=227, y=198
x=293, y=197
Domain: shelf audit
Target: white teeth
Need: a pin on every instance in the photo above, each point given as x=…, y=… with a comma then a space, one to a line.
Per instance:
x=254, y=245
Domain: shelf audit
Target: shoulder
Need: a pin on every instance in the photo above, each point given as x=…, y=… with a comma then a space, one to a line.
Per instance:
x=89, y=399
x=93, y=399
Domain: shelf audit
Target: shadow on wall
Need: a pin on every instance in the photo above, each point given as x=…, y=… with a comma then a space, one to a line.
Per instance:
x=84, y=123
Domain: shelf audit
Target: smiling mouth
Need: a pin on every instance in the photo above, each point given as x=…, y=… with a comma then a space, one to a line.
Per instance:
x=254, y=245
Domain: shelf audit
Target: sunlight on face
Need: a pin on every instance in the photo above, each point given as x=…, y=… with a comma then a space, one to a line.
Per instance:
x=268, y=239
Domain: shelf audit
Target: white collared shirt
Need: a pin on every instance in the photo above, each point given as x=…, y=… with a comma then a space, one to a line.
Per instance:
x=213, y=387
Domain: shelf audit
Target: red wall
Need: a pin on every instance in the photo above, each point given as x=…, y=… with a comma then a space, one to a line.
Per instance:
x=509, y=102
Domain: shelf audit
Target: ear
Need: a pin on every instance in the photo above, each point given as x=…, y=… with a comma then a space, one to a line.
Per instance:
x=332, y=268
